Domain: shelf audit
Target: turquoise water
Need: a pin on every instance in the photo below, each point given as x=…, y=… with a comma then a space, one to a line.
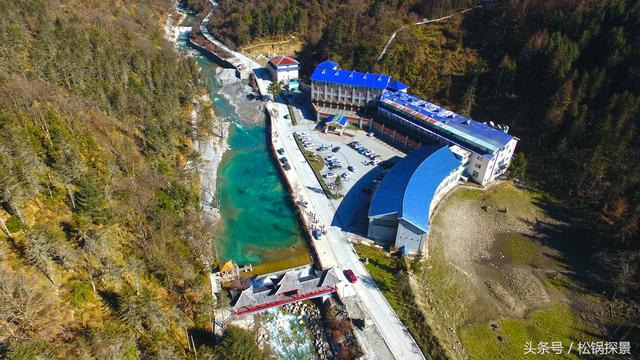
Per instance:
x=258, y=226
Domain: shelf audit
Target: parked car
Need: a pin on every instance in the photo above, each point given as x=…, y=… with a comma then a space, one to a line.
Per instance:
x=351, y=168
x=336, y=149
x=280, y=151
x=316, y=234
x=350, y=276
x=329, y=175
x=370, y=134
x=284, y=160
x=345, y=175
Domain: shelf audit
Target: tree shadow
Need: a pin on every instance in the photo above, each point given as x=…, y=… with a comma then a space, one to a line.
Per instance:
x=315, y=189
x=370, y=283
x=202, y=337
x=110, y=298
x=576, y=249
x=262, y=74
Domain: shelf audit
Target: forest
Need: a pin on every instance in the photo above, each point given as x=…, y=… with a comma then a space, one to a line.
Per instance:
x=564, y=75
x=104, y=252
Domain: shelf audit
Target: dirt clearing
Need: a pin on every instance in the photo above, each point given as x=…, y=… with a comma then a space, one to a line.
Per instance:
x=486, y=286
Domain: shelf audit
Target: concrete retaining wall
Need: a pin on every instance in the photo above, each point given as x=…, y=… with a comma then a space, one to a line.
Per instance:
x=302, y=221
x=211, y=55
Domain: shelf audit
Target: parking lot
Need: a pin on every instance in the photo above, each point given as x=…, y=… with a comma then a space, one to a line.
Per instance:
x=358, y=168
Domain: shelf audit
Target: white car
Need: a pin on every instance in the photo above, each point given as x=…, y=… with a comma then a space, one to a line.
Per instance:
x=329, y=175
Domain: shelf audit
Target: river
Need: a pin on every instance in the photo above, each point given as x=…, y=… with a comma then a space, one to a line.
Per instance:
x=258, y=225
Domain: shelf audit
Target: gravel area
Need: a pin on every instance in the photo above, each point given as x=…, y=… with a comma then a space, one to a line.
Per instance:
x=242, y=98
x=470, y=229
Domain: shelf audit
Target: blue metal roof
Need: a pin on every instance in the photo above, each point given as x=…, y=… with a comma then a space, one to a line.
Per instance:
x=410, y=185
x=456, y=128
x=328, y=71
x=328, y=64
x=396, y=85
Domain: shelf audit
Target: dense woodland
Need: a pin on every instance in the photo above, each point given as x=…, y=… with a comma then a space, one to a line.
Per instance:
x=104, y=253
x=564, y=75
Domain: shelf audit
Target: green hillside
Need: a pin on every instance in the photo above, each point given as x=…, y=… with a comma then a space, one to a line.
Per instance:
x=104, y=252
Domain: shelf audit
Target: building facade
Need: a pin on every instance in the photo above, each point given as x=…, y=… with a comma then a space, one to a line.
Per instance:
x=283, y=68
x=401, y=207
x=335, y=91
x=410, y=122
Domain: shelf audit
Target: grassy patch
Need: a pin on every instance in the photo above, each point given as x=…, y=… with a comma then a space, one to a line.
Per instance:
x=80, y=293
x=390, y=275
x=447, y=289
x=14, y=224
x=469, y=194
x=294, y=120
x=520, y=250
x=557, y=323
x=316, y=161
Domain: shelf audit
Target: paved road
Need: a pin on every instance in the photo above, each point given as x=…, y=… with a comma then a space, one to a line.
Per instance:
x=340, y=251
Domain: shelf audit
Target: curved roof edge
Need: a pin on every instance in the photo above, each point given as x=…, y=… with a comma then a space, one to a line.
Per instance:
x=410, y=186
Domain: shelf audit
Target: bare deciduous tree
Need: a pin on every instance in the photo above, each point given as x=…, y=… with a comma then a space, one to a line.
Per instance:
x=26, y=309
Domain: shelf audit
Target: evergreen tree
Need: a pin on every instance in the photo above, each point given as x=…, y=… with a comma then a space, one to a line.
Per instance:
x=237, y=344
x=518, y=166
x=469, y=98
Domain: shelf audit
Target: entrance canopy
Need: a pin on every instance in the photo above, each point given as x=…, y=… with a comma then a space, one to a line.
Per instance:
x=337, y=120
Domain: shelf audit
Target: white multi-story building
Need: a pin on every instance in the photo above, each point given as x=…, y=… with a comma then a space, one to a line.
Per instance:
x=412, y=122
x=283, y=68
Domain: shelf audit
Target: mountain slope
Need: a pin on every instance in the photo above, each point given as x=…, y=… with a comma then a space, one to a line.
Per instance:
x=104, y=252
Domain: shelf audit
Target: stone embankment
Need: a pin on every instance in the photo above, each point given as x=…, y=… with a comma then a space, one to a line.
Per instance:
x=318, y=332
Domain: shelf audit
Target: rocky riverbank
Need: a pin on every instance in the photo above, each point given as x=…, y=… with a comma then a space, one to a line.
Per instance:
x=245, y=101
x=295, y=331
x=211, y=146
